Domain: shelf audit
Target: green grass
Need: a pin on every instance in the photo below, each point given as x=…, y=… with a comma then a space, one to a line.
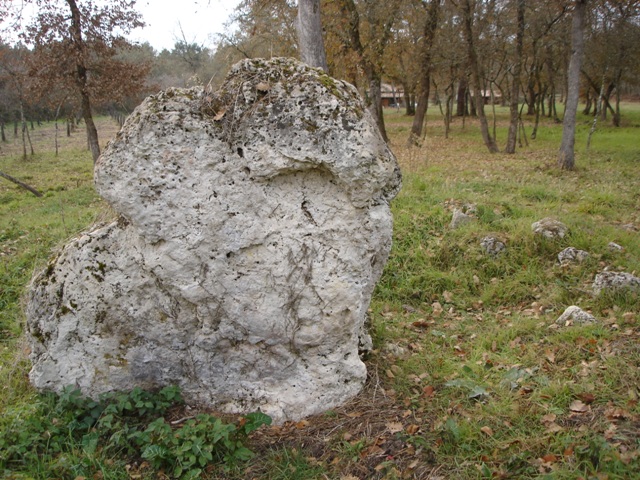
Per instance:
x=470, y=376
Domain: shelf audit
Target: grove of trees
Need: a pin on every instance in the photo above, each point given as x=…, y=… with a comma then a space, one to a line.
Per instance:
x=462, y=54
x=72, y=58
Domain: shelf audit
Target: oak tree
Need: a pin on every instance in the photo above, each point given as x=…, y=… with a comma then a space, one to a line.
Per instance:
x=76, y=44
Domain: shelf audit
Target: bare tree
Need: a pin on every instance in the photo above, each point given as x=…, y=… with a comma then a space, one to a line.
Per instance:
x=426, y=65
x=515, y=86
x=378, y=19
x=309, y=29
x=566, y=158
x=474, y=66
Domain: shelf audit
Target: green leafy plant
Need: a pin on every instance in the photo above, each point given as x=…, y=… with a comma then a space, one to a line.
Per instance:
x=70, y=425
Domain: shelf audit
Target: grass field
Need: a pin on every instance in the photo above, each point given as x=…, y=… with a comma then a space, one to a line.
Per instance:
x=470, y=376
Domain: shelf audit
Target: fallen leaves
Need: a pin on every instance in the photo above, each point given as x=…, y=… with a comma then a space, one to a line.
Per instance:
x=549, y=421
x=218, y=116
x=577, y=406
x=394, y=427
x=412, y=429
x=616, y=413
x=487, y=431
x=587, y=397
x=428, y=391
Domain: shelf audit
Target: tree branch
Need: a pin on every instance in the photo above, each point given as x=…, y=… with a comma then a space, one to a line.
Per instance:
x=21, y=184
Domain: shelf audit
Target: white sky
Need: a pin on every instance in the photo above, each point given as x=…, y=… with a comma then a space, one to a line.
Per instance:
x=200, y=20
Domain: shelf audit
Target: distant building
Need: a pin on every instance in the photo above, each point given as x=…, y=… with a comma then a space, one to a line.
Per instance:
x=392, y=96
x=486, y=95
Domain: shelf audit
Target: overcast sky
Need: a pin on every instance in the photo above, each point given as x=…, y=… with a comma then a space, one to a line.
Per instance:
x=200, y=21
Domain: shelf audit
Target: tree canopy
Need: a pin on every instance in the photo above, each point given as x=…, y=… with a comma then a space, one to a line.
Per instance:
x=459, y=55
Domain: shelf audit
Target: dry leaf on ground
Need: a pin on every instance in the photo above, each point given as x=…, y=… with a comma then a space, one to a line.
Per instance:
x=394, y=427
x=578, y=407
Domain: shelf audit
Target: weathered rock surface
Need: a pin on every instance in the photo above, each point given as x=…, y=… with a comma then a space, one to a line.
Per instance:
x=614, y=247
x=460, y=218
x=549, y=228
x=572, y=255
x=612, y=281
x=492, y=245
x=575, y=315
x=254, y=223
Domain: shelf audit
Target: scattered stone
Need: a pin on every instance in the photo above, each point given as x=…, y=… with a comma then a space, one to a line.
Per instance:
x=253, y=225
x=394, y=349
x=460, y=218
x=575, y=314
x=549, y=228
x=614, y=247
x=492, y=245
x=612, y=281
x=409, y=308
x=470, y=208
x=572, y=255
x=630, y=227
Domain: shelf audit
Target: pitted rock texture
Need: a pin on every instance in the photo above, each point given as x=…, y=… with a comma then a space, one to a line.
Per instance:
x=549, y=228
x=492, y=245
x=460, y=218
x=254, y=223
x=572, y=255
x=575, y=315
x=615, y=281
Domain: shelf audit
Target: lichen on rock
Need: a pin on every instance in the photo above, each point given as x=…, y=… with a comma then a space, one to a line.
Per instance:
x=254, y=223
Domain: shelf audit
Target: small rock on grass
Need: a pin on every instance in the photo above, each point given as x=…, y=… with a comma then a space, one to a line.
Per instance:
x=572, y=255
x=394, y=349
x=549, y=228
x=492, y=245
x=573, y=315
x=614, y=247
x=460, y=218
x=615, y=281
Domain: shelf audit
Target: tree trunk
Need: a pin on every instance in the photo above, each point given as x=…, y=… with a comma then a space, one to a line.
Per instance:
x=475, y=76
x=429, y=34
x=587, y=107
x=616, y=115
x=470, y=108
x=595, y=115
x=461, y=97
x=409, y=107
x=515, y=87
x=566, y=158
x=375, y=102
x=531, y=92
x=24, y=130
x=309, y=28
x=605, y=98
x=4, y=137
x=539, y=111
x=82, y=80
x=370, y=62
x=421, y=113
x=447, y=116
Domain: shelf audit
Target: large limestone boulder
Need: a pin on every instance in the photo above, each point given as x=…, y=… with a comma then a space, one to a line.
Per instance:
x=253, y=225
